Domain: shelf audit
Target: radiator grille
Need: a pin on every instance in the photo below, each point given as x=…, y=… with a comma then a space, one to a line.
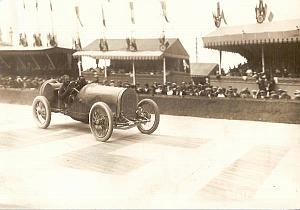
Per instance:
x=129, y=103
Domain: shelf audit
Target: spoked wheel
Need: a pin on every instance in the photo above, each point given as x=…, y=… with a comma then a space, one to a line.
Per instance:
x=148, y=110
x=101, y=121
x=41, y=111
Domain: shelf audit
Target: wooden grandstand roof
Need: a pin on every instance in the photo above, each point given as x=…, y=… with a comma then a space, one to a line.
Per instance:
x=147, y=49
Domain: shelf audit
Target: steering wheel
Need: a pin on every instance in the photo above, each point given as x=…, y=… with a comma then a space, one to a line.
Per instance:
x=68, y=89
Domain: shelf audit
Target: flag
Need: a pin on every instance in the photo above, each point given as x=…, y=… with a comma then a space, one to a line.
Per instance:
x=131, y=10
x=271, y=16
x=103, y=17
x=164, y=9
x=50, y=5
x=24, y=4
x=77, y=14
x=223, y=16
x=36, y=4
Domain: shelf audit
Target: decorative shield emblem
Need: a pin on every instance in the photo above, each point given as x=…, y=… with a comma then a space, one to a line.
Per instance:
x=162, y=47
x=260, y=19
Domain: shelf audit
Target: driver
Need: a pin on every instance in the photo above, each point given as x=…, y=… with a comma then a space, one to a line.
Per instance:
x=75, y=87
x=64, y=91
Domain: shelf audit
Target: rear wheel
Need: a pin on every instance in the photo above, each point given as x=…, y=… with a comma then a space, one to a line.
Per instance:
x=148, y=109
x=41, y=111
x=101, y=121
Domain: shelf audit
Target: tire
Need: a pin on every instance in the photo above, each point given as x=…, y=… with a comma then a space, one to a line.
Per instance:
x=147, y=107
x=101, y=116
x=41, y=111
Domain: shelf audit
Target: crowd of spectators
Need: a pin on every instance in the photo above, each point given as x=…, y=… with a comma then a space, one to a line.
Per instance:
x=23, y=82
x=204, y=90
x=248, y=70
x=265, y=90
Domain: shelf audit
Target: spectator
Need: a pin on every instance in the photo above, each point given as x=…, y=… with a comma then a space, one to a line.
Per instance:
x=245, y=93
x=146, y=89
x=284, y=96
x=297, y=94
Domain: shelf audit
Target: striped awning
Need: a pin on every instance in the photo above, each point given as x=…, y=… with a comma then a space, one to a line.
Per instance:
x=121, y=55
x=253, y=34
x=147, y=49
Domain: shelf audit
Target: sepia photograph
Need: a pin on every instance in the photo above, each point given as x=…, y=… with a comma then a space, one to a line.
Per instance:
x=149, y=104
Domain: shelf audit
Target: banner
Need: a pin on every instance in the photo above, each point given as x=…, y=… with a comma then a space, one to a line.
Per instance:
x=223, y=16
x=131, y=11
x=271, y=16
x=24, y=4
x=50, y=2
x=37, y=5
x=77, y=14
x=164, y=10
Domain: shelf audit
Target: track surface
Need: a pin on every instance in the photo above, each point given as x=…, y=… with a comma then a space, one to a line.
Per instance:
x=187, y=163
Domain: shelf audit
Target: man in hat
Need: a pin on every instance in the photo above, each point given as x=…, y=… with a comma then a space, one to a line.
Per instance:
x=235, y=93
x=220, y=93
x=274, y=95
x=297, y=94
x=254, y=93
x=158, y=90
x=64, y=90
x=214, y=91
x=138, y=88
x=112, y=83
x=284, y=96
x=146, y=89
x=229, y=92
x=245, y=93
x=19, y=82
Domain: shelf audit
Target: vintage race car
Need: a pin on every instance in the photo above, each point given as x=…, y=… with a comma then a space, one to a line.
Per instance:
x=102, y=107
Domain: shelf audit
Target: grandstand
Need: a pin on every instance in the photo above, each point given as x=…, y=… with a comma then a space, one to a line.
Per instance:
x=37, y=61
x=271, y=48
x=146, y=64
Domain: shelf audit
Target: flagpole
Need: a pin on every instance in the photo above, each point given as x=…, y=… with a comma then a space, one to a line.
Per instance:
x=133, y=73
x=164, y=71
x=132, y=18
x=105, y=69
x=196, y=49
x=220, y=62
x=25, y=21
x=262, y=59
x=52, y=25
x=37, y=16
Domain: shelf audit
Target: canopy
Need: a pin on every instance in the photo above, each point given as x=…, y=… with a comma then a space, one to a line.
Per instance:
x=27, y=59
x=267, y=33
x=203, y=69
x=20, y=50
x=147, y=49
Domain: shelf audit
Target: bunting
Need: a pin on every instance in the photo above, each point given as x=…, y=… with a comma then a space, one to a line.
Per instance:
x=77, y=14
x=132, y=12
x=164, y=10
x=103, y=17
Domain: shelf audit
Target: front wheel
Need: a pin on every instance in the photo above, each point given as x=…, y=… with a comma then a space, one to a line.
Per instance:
x=101, y=121
x=41, y=111
x=148, y=110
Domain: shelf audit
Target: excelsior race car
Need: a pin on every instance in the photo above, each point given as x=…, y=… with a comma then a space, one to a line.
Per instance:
x=102, y=107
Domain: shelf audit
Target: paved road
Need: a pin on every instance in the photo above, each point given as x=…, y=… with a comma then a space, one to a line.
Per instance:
x=187, y=163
